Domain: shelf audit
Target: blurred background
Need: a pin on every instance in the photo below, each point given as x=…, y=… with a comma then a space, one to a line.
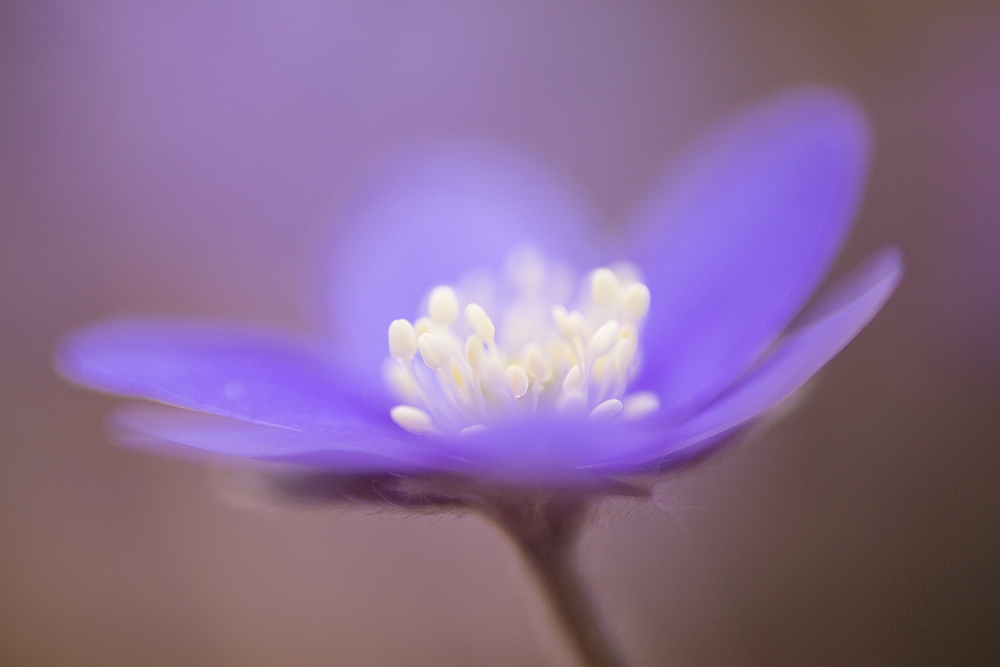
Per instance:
x=179, y=158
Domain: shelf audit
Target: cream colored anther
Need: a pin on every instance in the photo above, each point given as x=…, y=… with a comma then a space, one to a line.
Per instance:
x=604, y=339
x=623, y=354
x=480, y=322
x=606, y=410
x=475, y=354
x=423, y=325
x=442, y=305
x=563, y=323
x=434, y=350
x=535, y=364
x=494, y=376
x=402, y=340
x=635, y=301
x=605, y=289
x=572, y=379
x=640, y=404
x=581, y=325
x=401, y=382
x=412, y=419
x=517, y=379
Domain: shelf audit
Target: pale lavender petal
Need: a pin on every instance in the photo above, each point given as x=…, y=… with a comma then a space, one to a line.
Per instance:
x=737, y=236
x=836, y=319
x=436, y=216
x=355, y=447
x=542, y=451
x=244, y=374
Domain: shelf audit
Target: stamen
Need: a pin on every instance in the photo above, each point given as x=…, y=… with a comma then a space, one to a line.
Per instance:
x=606, y=410
x=412, y=419
x=434, y=350
x=517, y=378
x=481, y=323
x=605, y=289
x=640, y=404
x=575, y=363
x=635, y=302
x=604, y=339
x=402, y=340
x=442, y=305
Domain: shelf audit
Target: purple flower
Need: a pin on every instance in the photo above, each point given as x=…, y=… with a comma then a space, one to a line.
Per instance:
x=729, y=246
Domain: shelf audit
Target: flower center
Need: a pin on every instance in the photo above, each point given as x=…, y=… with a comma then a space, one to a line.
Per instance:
x=460, y=375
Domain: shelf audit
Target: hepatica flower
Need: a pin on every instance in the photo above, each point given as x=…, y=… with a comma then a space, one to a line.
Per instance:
x=494, y=349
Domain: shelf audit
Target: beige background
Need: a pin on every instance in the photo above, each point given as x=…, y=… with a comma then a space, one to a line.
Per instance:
x=179, y=158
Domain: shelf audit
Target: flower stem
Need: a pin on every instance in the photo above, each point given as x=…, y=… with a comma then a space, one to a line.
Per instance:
x=545, y=530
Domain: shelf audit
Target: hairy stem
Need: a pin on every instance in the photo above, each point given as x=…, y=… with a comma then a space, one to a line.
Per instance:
x=545, y=530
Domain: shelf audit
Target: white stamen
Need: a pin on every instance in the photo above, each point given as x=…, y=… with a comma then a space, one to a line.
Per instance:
x=623, y=355
x=581, y=325
x=517, y=378
x=442, y=304
x=423, y=325
x=566, y=328
x=475, y=353
x=572, y=379
x=635, y=302
x=401, y=383
x=534, y=362
x=495, y=376
x=412, y=419
x=571, y=363
x=402, y=340
x=434, y=350
x=606, y=410
x=640, y=404
x=605, y=289
x=480, y=322
x=603, y=339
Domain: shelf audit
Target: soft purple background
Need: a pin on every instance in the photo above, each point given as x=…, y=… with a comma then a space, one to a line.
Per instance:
x=178, y=159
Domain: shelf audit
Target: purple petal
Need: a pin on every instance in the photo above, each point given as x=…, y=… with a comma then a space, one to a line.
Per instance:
x=837, y=318
x=436, y=216
x=243, y=374
x=735, y=239
x=355, y=447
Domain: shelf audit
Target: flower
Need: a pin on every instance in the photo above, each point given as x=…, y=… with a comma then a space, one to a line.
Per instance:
x=724, y=253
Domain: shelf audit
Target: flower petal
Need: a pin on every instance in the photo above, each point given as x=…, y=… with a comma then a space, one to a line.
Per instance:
x=244, y=374
x=356, y=447
x=837, y=318
x=433, y=218
x=736, y=238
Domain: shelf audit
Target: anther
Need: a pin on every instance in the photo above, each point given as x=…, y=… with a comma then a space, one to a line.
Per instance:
x=605, y=289
x=635, y=301
x=412, y=419
x=576, y=364
x=402, y=340
x=534, y=363
x=517, y=379
x=623, y=354
x=442, y=304
x=572, y=379
x=480, y=323
x=640, y=404
x=474, y=353
x=563, y=323
x=606, y=410
x=604, y=339
x=423, y=325
x=434, y=350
